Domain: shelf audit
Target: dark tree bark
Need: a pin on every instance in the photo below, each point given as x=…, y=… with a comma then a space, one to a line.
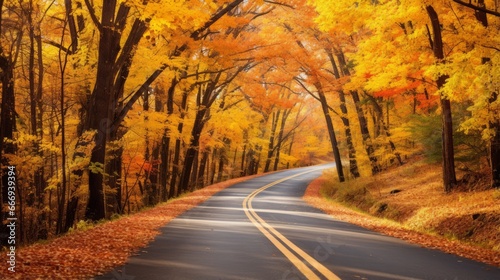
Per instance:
x=363, y=123
x=103, y=98
x=353, y=163
x=281, y=132
x=36, y=193
x=164, y=146
x=203, y=167
x=64, y=180
x=113, y=64
x=8, y=126
x=243, y=170
x=495, y=156
x=7, y=119
x=384, y=127
x=223, y=158
x=174, y=190
x=270, y=147
x=207, y=94
x=201, y=117
x=449, y=177
x=252, y=162
x=331, y=131
x=481, y=13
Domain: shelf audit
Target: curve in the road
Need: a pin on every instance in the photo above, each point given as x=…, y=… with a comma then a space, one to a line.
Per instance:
x=286, y=247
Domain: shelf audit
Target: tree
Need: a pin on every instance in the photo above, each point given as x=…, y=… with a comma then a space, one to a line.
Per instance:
x=11, y=40
x=481, y=12
x=113, y=67
x=449, y=177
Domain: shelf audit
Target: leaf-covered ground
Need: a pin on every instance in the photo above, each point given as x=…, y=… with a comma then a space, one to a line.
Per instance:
x=84, y=254
x=315, y=198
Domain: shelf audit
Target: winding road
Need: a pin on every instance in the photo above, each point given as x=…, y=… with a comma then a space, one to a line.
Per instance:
x=261, y=229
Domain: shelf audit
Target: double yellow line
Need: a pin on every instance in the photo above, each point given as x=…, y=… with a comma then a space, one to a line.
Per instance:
x=290, y=250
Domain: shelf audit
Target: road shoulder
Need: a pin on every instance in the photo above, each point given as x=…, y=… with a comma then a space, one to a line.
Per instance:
x=314, y=198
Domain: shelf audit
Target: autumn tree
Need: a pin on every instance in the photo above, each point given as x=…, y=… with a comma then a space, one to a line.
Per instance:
x=116, y=51
x=481, y=12
x=11, y=39
x=449, y=177
x=419, y=44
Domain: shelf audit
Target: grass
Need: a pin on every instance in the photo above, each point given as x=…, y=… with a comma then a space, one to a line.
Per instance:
x=410, y=199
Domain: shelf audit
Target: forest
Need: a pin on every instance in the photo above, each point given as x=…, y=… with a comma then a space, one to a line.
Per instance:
x=109, y=107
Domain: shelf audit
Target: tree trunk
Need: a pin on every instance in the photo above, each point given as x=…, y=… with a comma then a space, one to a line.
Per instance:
x=200, y=180
x=222, y=159
x=353, y=164
x=385, y=128
x=110, y=79
x=60, y=228
x=213, y=165
x=192, y=150
x=363, y=123
x=8, y=126
x=173, y=192
x=162, y=150
x=114, y=176
x=270, y=147
x=279, y=144
x=243, y=170
x=449, y=177
x=367, y=140
x=331, y=131
x=495, y=156
x=495, y=141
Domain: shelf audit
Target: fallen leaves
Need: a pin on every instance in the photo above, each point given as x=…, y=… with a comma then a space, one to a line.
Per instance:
x=315, y=199
x=84, y=254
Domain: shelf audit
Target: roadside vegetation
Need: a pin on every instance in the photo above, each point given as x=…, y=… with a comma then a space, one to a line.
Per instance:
x=408, y=202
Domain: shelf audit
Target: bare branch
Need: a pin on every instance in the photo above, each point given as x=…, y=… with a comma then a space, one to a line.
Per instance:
x=477, y=8
x=279, y=4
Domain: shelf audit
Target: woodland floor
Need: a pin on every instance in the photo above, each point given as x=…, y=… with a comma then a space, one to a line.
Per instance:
x=83, y=254
x=464, y=222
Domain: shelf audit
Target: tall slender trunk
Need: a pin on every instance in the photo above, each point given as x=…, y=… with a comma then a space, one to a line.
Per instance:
x=353, y=163
x=203, y=166
x=272, y=136
x=7, y=128
x=174, y=190
x=363, y=123
x=64, y=183
x=449, y=177
x=495, y=156
x=284, y=117
x=385, y=127
x=223, y=158
x=191, y=152
x=162, y=150
x=331, y=131
x=494, y=149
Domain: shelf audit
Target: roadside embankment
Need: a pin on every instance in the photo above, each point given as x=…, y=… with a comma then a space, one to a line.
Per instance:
x=408, y=202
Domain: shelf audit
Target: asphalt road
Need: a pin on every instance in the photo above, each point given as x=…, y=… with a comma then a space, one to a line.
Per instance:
x=261, y=229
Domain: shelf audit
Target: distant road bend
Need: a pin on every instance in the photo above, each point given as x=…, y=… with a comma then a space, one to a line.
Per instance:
x=262, y=229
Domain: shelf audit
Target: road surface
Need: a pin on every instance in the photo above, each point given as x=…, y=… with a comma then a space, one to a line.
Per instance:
x=261, y=229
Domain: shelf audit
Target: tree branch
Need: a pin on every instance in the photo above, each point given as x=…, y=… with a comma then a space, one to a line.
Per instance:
x=196, y=35
x=477, y=8
x=93, y=15
x=314, y=96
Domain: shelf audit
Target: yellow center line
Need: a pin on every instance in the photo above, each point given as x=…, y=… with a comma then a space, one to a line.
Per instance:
x=278, y=239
